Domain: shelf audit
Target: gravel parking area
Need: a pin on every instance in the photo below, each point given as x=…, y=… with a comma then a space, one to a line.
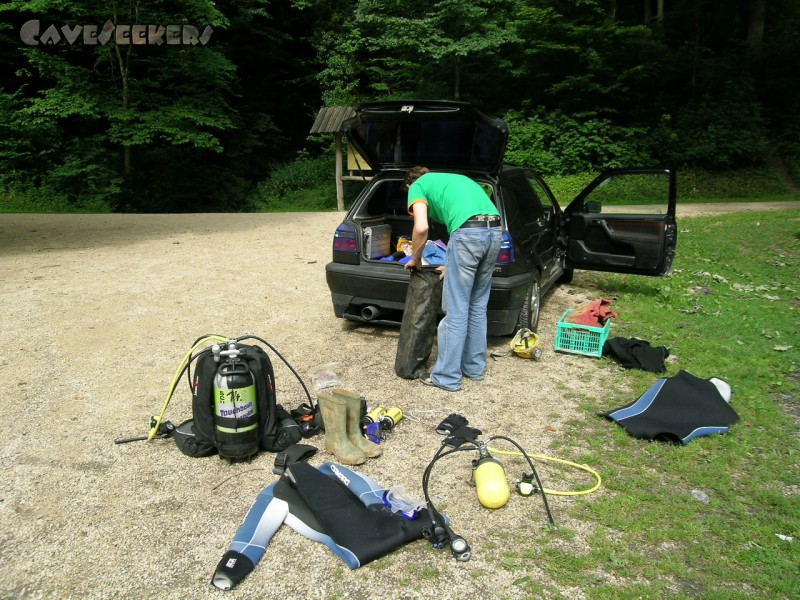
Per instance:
x=99, y=310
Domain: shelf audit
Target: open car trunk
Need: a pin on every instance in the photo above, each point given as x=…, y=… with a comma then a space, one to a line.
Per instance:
x=385, y=220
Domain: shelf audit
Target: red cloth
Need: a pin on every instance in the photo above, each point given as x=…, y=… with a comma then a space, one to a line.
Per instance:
x=594, y=314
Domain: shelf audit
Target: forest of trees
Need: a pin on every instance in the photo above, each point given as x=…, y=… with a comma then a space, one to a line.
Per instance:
x=189, y=105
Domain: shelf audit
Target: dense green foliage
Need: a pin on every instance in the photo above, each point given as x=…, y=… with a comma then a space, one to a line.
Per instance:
x=147, y=127
x=585, y=85
x=302, y=184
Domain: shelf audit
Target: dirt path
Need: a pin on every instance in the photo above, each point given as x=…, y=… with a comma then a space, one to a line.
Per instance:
x=697, y=210
x=99, y=311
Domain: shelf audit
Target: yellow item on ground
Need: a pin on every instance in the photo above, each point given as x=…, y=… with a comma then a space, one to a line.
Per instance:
x=526, y=344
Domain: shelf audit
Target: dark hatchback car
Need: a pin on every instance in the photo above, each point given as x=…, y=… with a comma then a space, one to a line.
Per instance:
x=542, y=243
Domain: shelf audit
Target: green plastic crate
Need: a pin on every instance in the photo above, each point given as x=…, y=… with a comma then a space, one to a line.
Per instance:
x=581, y=339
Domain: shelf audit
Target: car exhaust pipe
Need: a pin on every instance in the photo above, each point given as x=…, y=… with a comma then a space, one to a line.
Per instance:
x=370, y=312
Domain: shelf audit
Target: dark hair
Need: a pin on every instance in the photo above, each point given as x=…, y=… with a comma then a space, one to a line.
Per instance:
x=415, y=173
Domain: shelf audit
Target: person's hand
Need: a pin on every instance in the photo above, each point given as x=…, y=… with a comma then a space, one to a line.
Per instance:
x=441, y=270
x=411, y=265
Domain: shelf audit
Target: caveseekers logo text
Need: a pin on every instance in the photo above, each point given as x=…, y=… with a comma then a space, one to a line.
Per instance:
x=35, y=33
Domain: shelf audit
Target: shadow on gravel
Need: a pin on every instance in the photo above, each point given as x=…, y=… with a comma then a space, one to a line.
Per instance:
x=24, y=233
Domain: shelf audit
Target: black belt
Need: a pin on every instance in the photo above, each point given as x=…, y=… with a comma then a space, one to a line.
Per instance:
x=481, y=221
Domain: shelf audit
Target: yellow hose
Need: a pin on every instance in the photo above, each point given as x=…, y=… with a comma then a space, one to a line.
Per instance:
x=200, y=342
x=594, y=488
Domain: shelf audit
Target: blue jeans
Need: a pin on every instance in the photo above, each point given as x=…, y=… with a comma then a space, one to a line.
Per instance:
x=470, y=259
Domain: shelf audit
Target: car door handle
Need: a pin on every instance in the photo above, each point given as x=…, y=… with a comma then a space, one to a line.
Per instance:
x=604, y=224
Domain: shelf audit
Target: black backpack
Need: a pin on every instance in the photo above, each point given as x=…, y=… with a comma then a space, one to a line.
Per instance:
x=250, y=418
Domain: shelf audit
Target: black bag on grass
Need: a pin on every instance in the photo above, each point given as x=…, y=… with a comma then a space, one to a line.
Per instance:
x=418, y=328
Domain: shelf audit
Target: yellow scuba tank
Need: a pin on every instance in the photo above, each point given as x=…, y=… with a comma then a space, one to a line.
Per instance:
x=490, y=480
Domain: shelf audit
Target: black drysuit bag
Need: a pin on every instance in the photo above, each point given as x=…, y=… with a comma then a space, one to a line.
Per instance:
x=418, y=328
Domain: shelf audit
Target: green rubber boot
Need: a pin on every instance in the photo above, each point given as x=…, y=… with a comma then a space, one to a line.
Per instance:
x=370, y=449
x=334, y=418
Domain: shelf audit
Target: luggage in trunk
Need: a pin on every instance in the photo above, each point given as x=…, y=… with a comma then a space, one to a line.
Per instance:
x=378, y=241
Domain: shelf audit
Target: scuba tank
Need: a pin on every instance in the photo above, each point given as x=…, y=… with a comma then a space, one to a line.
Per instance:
x=490, y=480
x=235, y=405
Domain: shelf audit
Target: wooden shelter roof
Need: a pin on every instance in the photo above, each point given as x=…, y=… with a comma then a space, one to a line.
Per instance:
x=330, y=119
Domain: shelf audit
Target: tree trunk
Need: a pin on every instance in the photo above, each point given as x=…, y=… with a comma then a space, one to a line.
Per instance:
x=339, y=161
x=457, y=79
x=696, y=50
x=648, y=12
x=755, y=26
x=124, y=75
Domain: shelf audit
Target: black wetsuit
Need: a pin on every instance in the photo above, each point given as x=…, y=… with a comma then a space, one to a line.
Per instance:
x=676, y=409
x=333, y=505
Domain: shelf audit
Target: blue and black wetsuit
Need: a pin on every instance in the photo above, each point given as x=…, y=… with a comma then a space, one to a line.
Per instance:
x=333, y=505
x=678, y=409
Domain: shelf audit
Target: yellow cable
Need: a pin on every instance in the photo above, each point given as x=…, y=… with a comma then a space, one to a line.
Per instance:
x=200, y=342
x=595, y=487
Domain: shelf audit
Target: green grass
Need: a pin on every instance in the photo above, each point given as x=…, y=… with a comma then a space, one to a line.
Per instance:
x=33, y=200
x=752, y=185
x=729, y=310
x=742, y=184
x=307, y=184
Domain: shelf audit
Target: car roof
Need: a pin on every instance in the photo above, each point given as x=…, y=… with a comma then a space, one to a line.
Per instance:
x=438, y=134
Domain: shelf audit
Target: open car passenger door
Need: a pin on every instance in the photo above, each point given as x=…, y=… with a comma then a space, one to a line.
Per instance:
x=623, y=222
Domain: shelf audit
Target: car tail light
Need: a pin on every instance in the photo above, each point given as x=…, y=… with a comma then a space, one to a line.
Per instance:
x=344, y=240
x=506, y=256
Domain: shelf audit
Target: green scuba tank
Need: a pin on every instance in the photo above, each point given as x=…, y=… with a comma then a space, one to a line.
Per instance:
x=236, y=431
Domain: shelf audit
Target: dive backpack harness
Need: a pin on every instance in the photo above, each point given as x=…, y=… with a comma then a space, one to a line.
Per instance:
x=234, y=407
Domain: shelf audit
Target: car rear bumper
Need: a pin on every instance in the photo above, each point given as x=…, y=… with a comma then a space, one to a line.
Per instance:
x=377, y=293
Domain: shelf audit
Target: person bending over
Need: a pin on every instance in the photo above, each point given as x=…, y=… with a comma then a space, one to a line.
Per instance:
x=473, y=223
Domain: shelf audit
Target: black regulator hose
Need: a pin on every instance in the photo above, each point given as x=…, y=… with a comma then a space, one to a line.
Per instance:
x=441, y=533
x=535, y=474
x=207, y=336
x=240, y=339
x=286, y=362
x=191, y=356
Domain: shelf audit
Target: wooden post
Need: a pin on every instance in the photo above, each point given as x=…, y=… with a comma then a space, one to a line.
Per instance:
x=339, y=184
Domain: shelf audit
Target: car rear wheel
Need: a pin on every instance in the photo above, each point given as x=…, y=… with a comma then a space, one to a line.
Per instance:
x=529, y=315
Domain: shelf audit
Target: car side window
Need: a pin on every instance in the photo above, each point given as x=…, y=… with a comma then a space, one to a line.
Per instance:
x=523, y=207
x=630, y=192
x=545, y=198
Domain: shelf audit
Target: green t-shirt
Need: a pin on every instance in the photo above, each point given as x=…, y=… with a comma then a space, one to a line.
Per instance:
x=451, y=198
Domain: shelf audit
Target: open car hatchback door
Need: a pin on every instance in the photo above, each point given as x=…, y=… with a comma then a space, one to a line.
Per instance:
x=623, y=222
x=441, y=135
